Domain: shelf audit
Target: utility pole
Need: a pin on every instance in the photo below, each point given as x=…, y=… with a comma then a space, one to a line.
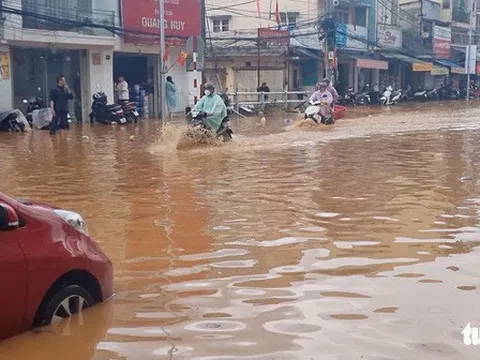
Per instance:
x=472, y=15
x=162, y=62
x=328, y=10
x=421, y=21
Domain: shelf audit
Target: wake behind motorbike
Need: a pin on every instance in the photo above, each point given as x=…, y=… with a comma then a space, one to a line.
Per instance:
x=313, y=112
x=198, y=128
x=105, y=113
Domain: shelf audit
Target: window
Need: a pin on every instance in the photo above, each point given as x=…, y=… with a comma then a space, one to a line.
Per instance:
x=220, y=25
x=446, y=4
x=46, y=11
x=360, y=16
x=289, y=20
x=341, y=15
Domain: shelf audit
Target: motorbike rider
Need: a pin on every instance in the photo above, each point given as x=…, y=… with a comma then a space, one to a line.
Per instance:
x=332, y=90
x=214, y=106
x=324, y=97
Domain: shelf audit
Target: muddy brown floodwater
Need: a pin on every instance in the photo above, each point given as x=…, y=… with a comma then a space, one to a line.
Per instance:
x=354, y=242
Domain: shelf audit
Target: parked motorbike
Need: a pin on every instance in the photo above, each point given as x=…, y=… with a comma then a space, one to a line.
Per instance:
x=363, y=97
x=313, y=112
x=390, y=96
x=9, y=122
x=105, y=113
x=130, y=112
x=408, y=94
x=198, y=126
x=448, y=93
x=424, y=95
x=348, y=97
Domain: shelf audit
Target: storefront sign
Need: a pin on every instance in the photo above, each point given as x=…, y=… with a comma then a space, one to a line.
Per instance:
x=5, y=65
x=442, y=41
x=273, y=36
x=422, y=66
x=439, y=70
x=372, y=64
x=183, y=18
x=389, y=36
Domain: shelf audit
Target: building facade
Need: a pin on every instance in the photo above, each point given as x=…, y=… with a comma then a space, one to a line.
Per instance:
x=90, y=43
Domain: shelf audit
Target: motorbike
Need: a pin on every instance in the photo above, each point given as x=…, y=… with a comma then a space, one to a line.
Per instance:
x=448, y=93
x=198, y=126
x=105, y=113
x=9, y=122
x=313, y=112
x=363, y=97
x=390, y=96
x=348, y=98
x=424, y=95
x=408, y=94
x=130, y=111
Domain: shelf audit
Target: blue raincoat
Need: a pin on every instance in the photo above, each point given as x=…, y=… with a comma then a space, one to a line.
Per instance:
x=171, y=95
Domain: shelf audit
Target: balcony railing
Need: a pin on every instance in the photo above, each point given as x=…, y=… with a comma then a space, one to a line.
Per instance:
x=460, y=15
x=72, y=19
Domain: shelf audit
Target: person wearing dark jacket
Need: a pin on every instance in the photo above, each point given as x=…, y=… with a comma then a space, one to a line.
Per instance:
x=59, y=104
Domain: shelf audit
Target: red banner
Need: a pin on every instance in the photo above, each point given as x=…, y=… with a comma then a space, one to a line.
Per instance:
x=141, y=21
x=441, y=48
x=273, y=36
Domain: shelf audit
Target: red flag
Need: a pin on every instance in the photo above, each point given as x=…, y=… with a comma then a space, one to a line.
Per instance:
x=166, y=55
x=258, y=7
x=278, y=18
x=182, y=59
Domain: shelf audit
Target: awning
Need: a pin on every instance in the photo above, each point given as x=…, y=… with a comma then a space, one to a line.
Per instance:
x=417, y=65
x=364, y=62
x=454, y=68
x=308, y=53
x=439, y=70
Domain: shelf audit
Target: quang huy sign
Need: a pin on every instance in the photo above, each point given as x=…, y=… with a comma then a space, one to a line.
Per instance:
x=141, y=21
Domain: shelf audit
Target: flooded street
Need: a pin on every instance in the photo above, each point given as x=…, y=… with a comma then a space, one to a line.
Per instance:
x=353, y=242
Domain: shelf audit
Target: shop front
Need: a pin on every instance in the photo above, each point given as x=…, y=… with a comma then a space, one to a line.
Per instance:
x=363, y=70
x=411, y=71
x=138, y=56
x=35, y=72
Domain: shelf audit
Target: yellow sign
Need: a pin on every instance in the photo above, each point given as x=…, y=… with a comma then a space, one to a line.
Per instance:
x=422, y=66
x=5, y=65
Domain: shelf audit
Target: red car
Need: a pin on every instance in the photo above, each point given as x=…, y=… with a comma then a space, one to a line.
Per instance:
x=49, y=267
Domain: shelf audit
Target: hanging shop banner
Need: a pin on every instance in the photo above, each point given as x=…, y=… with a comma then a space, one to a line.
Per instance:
x=141, y=21
x=389, y=36
x=439, y=70
x=471, y=59
x=442, y=41
x=422, y=66
x=4, y=65
x=372, y=64
x=272, y=36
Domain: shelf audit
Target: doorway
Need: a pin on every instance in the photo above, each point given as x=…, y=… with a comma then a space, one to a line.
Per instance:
x=35, y=73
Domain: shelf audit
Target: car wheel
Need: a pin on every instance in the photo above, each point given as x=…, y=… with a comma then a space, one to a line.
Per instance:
x=69, y=300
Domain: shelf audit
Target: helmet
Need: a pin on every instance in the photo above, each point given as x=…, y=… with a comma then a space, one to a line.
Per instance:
x=326, y=81
x=209, y=86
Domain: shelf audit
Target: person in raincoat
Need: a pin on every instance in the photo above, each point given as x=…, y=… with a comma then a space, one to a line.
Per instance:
x=214, y=106
x=171, y=95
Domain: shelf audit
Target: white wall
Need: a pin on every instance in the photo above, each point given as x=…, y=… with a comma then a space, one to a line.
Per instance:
x=6, y=97
x=244, y=16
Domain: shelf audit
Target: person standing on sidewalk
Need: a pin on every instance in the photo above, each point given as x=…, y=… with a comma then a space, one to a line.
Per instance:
x=59, y=104
x=123, y=94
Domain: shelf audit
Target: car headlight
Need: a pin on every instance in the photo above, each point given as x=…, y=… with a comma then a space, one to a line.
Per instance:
x=73, y=219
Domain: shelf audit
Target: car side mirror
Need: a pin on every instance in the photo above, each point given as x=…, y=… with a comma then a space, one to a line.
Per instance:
x=8, y=218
